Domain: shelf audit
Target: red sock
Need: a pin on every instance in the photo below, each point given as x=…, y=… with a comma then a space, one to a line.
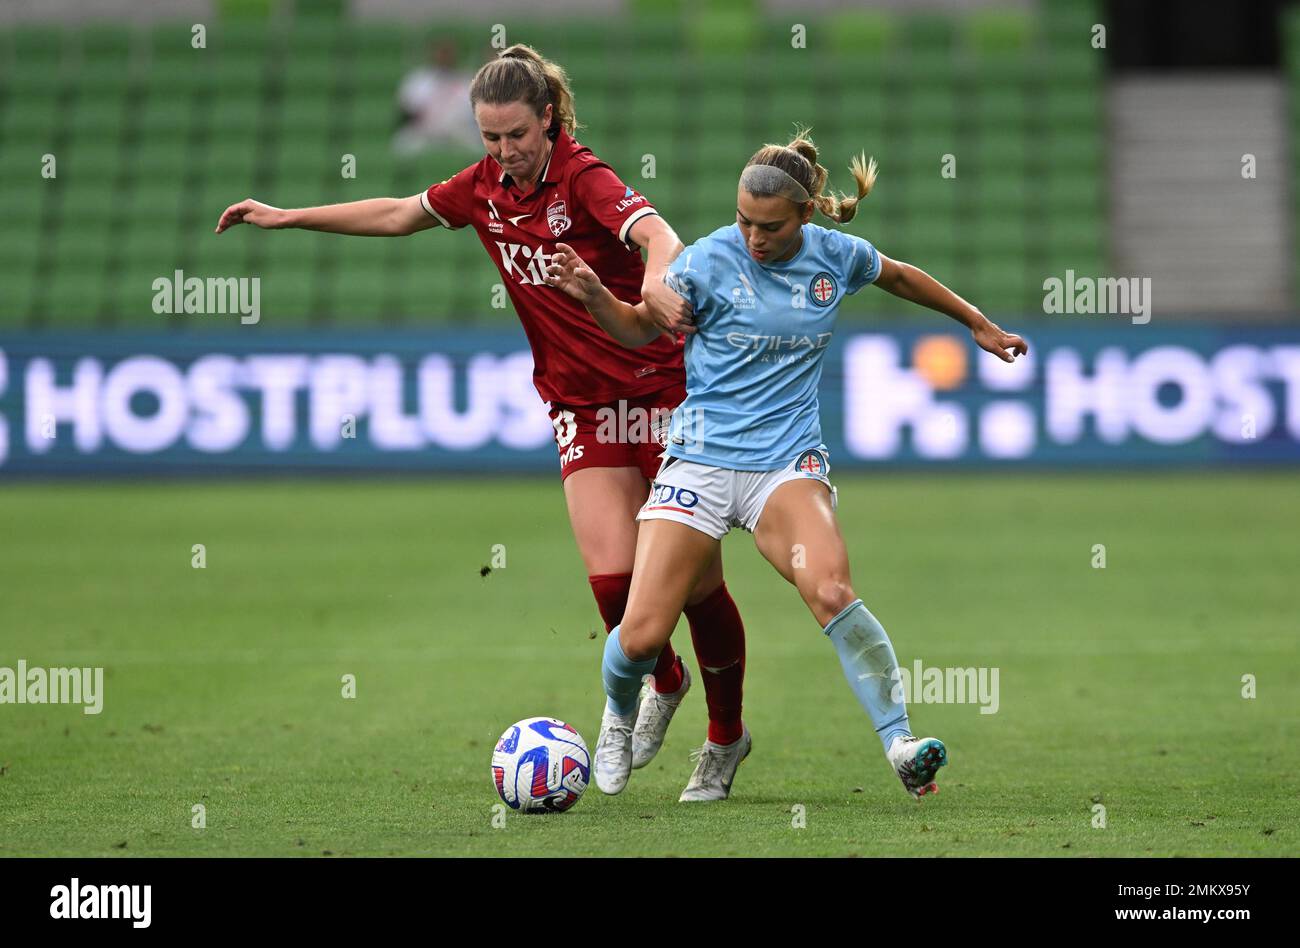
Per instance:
x=719, y=638
x=610, y=590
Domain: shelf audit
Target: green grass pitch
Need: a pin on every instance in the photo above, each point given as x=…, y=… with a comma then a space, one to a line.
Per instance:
x=1120, y=686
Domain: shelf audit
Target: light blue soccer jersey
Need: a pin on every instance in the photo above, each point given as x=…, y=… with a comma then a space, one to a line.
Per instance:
x=755, y=363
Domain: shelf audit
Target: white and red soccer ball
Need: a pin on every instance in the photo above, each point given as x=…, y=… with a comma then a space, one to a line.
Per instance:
x=540, y=765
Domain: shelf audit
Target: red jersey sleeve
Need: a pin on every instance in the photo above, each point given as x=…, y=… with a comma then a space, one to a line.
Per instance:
x=450, y=201
x=611, y=202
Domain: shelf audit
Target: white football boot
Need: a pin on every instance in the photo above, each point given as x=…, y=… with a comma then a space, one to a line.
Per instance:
x=715, y=769
x=652, y=719
x=916, y=760
x=613, y=757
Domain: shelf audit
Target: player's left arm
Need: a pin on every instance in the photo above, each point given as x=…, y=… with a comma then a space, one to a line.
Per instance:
x=666, y=309
x=628, y=216
x=915, y=285
x=628, y=325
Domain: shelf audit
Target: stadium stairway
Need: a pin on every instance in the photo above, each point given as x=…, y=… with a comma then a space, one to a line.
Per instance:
x=1183, y=213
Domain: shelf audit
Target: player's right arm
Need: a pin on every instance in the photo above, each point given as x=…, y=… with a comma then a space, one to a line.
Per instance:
x=375, y=217
x=630, y=326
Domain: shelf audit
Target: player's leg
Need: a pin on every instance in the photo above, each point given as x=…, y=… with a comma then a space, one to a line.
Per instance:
x=670, y=560
x=798, y=534
x=603, y=503
x=717, y=632
x=703, y=498
x=719, y=639
x=718, y=636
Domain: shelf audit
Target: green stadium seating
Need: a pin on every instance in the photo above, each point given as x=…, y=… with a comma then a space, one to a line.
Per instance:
x=154, y=138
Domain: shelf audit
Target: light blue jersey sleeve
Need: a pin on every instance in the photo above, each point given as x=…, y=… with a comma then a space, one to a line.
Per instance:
x=859, y=262
x=690, y=276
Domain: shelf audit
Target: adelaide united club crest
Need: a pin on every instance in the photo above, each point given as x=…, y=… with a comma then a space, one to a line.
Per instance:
x=557, y=219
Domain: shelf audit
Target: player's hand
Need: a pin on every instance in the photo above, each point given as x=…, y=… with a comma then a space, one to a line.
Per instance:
x=568, y=272
x=252, y=212
x=1004, y=345
x=667, y=309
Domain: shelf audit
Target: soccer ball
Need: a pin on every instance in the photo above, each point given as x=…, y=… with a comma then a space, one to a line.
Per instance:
x=540, y=765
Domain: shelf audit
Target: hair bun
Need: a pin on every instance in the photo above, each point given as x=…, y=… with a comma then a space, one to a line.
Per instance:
x=806, y=149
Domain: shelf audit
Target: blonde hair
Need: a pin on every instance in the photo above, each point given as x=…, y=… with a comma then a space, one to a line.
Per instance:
x=799, y=160
x=522, y=74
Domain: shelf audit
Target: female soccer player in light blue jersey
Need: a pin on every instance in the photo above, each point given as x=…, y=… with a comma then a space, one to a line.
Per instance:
x=746, y=447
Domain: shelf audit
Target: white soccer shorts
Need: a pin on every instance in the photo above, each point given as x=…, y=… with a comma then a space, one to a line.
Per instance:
x=715, y=499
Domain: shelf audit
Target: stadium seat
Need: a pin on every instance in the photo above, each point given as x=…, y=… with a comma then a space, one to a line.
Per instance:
x=157, y=137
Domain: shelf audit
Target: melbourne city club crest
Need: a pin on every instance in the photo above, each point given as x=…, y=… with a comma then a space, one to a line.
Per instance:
x=822, y=289
x=556, y=218
x=812, y=462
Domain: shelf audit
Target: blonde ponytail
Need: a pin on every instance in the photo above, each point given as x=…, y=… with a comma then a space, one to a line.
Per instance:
x=799, y=160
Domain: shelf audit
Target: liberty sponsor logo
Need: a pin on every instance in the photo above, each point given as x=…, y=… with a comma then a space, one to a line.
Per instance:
x=132, y=902
x=746, y=298
x=630, y=199
x=23, y=685
x=556, y=218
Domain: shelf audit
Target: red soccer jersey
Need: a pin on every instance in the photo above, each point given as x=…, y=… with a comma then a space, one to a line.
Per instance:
x=580, y=201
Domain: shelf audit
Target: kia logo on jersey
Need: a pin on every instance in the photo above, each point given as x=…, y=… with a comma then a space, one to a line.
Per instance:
x=555, y=216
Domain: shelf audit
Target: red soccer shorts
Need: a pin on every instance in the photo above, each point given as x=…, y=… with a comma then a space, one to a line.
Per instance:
x=630, y=432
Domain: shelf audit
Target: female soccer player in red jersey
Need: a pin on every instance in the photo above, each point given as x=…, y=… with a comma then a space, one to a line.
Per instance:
x=535, y=186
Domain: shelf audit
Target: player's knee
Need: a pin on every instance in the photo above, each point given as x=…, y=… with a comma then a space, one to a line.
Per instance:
x=829, y=598
x=641, y=639
x=705, y=588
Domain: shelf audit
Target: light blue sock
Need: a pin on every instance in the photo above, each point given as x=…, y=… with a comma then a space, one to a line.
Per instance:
x=622, y=676
x=867, y=658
